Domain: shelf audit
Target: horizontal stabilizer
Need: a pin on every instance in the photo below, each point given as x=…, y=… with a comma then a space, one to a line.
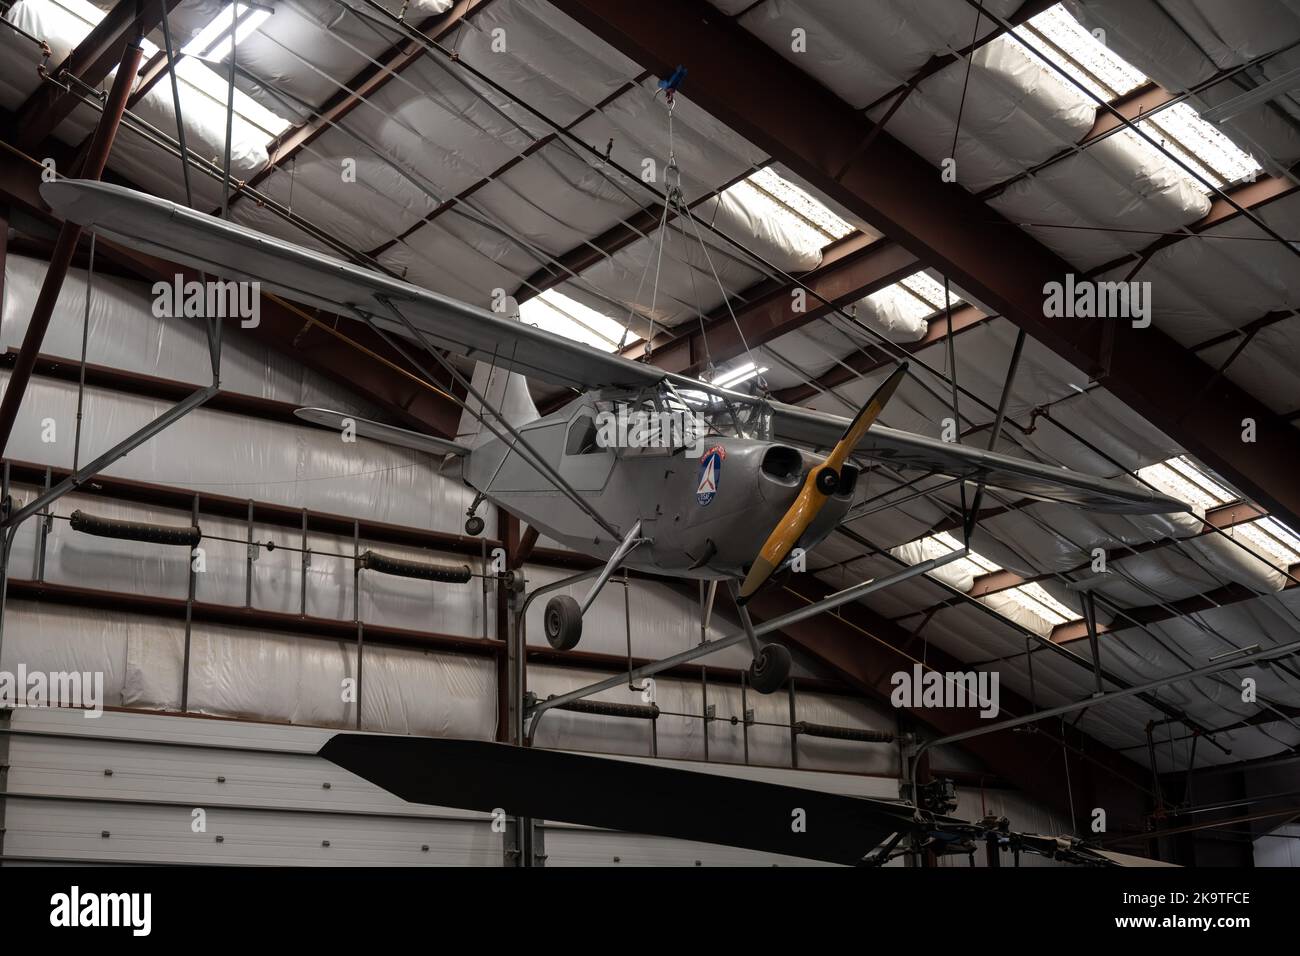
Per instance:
x=378, y=431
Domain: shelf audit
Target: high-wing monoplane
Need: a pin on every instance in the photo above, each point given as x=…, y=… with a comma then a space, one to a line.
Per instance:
x=642, y=468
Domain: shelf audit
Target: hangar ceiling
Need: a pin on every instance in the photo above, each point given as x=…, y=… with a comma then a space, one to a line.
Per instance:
x=500, y=145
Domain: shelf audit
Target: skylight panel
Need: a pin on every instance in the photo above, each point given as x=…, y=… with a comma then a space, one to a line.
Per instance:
x=929, y=291
x=1201, y=145
x=1034, y=597
x=202, y=80
x=1271, y=539
x=1108, y=76
x=898, y=299
x=973, y=563
x=553, y=312
x=916, y=297
x=213, y=41
x=1181, y=478
x=1267, y=537
x=200, y=86
x=1083, y=55
x=1030, y=597
x=808, y=220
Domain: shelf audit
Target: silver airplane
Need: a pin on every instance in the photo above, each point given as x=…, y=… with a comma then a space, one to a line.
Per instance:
x=643, y=469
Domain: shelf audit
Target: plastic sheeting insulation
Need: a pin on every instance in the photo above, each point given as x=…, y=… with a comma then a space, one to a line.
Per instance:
x=1182, y=45
x=240, y=672
x=1017, y=113
x=863, y=50
x=213, y=451
x=124, y=334
x=683, y=737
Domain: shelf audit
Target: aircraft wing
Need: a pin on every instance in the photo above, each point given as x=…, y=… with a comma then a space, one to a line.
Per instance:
x=1030, y=478
x=226, y=249
x=180, y=234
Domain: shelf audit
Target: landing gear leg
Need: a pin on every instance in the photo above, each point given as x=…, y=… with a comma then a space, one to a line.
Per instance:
x=771, y=664
x=473, y=523
x=563, y=617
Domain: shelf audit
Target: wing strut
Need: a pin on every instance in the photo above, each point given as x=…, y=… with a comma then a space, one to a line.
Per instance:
x=521, y=444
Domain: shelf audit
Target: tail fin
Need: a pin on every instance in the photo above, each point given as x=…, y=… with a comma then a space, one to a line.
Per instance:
x=506, y=393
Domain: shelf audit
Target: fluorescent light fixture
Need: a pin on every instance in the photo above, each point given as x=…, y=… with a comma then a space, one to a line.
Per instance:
x=553, y=312
x=213, y=41
x=738, y=375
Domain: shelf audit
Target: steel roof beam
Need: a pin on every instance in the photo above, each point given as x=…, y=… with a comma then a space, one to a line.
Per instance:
x=995, y=582
x=789, y=115
x=90, y=61
x=1156, y=613
x=362, y=86
x=284, y=327
x=851, y=270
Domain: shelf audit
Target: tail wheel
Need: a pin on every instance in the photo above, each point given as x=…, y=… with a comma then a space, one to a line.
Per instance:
x=769, y=669
x=563, y=622
x=474, y=526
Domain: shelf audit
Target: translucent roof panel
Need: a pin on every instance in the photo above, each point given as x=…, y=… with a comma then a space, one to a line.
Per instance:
x=1108, y=76
x=1181, y=478
x=1082, y=55
x=1030, y=597
x=201, y=88
x=1200, y=145
x=1271, y=539
x=553, y=312
x=811, y=222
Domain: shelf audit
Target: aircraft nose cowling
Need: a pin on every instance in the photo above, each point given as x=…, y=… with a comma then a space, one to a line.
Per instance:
x=780, y=473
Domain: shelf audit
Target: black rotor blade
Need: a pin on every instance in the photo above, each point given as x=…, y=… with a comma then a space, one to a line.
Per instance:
x=621, y=795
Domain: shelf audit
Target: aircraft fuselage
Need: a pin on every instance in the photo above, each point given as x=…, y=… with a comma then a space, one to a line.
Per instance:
x=707, y=510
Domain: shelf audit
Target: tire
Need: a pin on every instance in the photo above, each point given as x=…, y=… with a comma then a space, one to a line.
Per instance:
x=563, y=622
x=770, y=669
x=474, y=526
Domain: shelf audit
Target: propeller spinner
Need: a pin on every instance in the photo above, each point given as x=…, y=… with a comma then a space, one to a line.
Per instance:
x=819, y=484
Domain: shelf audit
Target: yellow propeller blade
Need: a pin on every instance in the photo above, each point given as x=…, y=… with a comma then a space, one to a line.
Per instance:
x=817, y=488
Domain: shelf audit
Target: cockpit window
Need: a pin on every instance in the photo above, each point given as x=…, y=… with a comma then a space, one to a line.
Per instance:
x=582, y=437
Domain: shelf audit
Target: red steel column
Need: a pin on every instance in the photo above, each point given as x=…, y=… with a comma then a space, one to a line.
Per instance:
x=66, y=245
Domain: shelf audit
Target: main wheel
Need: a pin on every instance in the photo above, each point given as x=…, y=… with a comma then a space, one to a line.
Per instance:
x=474, y=525
x=563, y=622
x=769, y=670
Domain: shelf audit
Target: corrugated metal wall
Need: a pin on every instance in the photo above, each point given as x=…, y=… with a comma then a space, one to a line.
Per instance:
x=124, y=788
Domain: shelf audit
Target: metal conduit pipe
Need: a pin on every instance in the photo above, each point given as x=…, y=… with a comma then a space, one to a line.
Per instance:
x=69, y=235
